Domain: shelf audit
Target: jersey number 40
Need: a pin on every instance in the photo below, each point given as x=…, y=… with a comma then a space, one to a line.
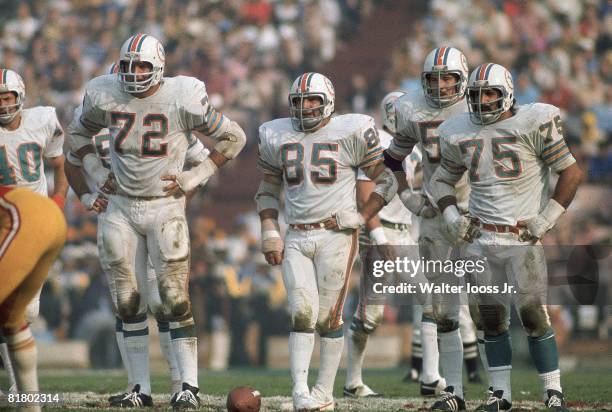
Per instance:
x=29, y=156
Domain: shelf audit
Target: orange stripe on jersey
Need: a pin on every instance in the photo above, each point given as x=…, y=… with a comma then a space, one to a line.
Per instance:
x=562, y=153
x=2, y=76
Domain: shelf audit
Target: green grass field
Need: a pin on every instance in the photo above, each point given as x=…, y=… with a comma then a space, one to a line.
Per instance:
x=589, y=389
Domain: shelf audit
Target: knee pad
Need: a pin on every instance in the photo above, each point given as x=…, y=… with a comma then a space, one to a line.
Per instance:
x=173, y=289
x=447, y=318
x=495, y=319
x=303, y=313
x=128, y=304
x=369, y=316
x=172, y=238
x=534, y=318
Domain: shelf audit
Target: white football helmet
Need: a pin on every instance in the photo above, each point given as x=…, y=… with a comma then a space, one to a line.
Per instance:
x=305, y=86
x=141, y=48
x=387, y=110
x=484, y=77
x=438, y=62
x=10, y=81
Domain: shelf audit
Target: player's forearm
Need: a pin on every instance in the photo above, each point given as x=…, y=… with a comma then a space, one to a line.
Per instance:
x=364, y=191
x=567, y=185
x=371, y=208
x=60, y=183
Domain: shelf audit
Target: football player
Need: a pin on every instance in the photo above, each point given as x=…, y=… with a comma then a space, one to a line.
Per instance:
x=32, y=233
x=313, y=158
x=418, y=114
x=29, y=139
x=508, y=152
x=390, y=227
x=97, y=201
x=151, y=118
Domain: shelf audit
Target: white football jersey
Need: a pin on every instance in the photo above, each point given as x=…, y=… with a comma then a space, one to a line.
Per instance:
x=417, y=123
x=319, y=169
x=395, y=211
x=21, y=151
x=196, y=153
x=508, y=162
x=149, y=137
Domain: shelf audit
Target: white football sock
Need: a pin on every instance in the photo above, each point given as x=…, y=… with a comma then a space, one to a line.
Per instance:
x=500, y=379
x=136, y=341
x=166, y=349
x=185, y=348
x=451, y=360
x=429, y=345
x=24, y=356
x=331, y=352
x=483, y=355
x=551, y=380
x=357, y=341
x=124, y=360
x=8, y=366
x=300, y=352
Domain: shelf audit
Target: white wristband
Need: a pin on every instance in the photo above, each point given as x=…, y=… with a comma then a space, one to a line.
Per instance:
x=552, y=211
x=377, y=236
x=451, y=213
x=268, y=234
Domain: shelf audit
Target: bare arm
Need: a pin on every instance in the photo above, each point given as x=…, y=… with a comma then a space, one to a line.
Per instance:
x=60, y=184
x=267, y=199
x=569, y=179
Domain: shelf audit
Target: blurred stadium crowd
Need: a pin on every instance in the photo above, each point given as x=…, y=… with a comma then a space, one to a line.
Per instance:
x=248, y=52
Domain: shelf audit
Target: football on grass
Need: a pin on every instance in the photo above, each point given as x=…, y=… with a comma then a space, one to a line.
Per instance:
x=243, y=399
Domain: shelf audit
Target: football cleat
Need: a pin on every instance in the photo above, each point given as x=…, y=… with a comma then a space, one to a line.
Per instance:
x=134, y=399
x=361, y=391
x=496, y=402
x=449, y=401
x=303, y=401
x=187, y=398
x=433, y=389
x=114, y=398
x=326, y=403
x=555, y=401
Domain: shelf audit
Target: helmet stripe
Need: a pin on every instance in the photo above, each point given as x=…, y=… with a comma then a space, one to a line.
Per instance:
x=481, y=71
x=3, y=76
x=438, y=56
x=488, y=70
x=303, y=82
x=446, y=53
x=310, y=77
x=134, y=43
x=140, y=42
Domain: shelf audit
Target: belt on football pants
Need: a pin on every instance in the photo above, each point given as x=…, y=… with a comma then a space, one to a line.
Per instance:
x=395, y=226
x=499, y=228
x=308, y=226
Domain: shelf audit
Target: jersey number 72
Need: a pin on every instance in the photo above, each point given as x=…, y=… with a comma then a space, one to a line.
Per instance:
x=125, y=121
